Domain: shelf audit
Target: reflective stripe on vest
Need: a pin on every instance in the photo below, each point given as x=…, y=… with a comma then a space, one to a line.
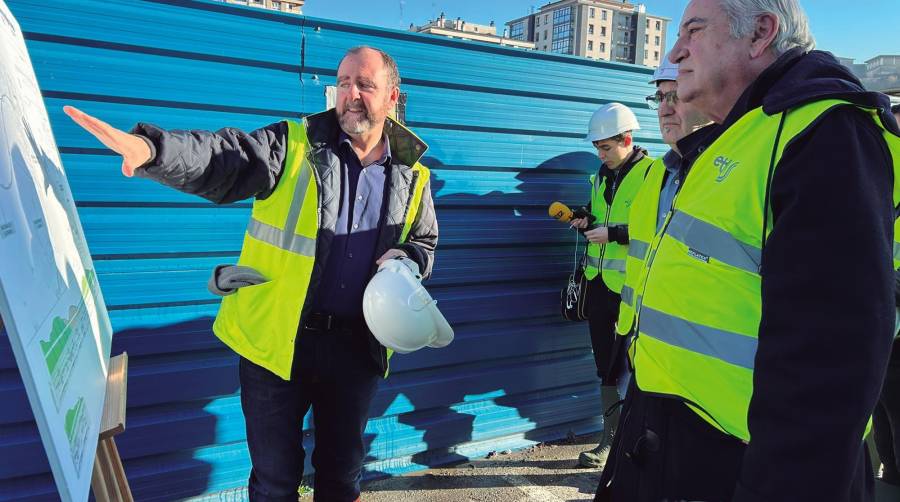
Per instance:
x=260, y=322
x=699, y=314
x=609, y=259
x=897, y=244
x=641, y=230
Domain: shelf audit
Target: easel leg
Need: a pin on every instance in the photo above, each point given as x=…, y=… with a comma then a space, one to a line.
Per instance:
x=109, y=482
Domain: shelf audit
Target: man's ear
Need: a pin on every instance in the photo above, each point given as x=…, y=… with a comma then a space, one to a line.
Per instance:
x=395, y=95
x=763, y=34
x=627, y=142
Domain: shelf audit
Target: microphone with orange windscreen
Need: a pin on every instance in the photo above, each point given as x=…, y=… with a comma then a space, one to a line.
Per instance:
x=561, y=212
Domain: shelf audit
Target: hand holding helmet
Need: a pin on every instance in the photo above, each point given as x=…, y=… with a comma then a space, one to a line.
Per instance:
x=400, y=312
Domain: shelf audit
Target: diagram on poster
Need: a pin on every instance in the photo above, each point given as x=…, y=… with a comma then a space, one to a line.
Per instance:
x=50, y=300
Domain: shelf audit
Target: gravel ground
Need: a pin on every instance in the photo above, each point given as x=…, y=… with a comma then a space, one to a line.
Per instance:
x=547, y=472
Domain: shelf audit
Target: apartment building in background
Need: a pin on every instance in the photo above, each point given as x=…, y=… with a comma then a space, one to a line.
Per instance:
x=880, y=73
x=292, y=6
x=597, y=29
x=458, y=28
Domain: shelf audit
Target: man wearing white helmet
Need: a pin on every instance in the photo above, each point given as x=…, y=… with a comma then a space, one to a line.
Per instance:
x=612, y=190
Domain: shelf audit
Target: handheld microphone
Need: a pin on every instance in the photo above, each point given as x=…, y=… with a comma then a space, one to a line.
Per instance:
x=561, y=212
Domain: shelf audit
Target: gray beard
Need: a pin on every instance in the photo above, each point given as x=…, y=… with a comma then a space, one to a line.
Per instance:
x=353, y=126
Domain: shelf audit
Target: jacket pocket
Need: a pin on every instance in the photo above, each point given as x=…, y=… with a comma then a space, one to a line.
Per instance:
x=253, y=311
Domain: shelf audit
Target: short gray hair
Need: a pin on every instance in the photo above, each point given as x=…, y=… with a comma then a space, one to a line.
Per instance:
x=793, y=25
x=389, y=64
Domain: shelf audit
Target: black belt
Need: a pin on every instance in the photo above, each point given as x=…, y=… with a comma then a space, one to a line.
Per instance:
x=320, y=321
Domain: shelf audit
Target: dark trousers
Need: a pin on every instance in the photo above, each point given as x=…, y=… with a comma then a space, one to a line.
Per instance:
x=603, y=311
x=334, y=374
x=886, y=421
x=664, y=452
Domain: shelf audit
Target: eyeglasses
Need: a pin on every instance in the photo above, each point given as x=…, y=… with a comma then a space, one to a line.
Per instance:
x=654, y=100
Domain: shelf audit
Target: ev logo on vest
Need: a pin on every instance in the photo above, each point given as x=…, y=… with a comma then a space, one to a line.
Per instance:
x=725, y=166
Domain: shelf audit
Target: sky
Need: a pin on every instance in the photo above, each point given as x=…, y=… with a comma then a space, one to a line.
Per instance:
x=860, y=30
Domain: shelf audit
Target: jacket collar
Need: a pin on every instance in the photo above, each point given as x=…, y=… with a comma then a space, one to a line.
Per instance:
x=406, y=148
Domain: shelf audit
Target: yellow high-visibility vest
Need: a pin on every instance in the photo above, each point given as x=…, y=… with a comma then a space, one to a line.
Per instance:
x=609, y=259
x=260, y=322
x=642, y=229
x=699, y=315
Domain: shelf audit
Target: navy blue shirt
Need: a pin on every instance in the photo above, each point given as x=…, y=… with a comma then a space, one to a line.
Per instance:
x=352, y=252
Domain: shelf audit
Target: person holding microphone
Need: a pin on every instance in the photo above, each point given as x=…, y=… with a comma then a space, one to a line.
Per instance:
x=613, y=188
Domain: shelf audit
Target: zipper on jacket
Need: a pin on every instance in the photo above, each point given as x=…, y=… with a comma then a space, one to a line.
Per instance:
x=412, y=194
x=311, y=165
x=613, y=189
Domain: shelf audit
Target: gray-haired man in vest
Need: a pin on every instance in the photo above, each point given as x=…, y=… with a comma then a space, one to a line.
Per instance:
x=297, y=322
x=767, y=312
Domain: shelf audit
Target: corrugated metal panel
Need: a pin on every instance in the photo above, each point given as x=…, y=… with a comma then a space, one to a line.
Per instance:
x=504, y=128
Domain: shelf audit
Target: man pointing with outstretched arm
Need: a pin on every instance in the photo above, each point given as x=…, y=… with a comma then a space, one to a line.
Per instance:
x=335, y=195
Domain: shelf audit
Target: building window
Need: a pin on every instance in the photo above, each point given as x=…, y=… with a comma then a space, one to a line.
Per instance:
x=562, y=31
x=603, y=14
x=537, y=21
x=656, y=41
x=658, y=25
x=546, y=18
x=590, y=45
x=561, y=16
x=646, y=39
x=561, y=46
x=590, y=29
x=625, y=51
x=592, y=13
x=517, y=31
x=648, y=23
x=602, y=46
x=603, y=31
x=656, y=55
x=646, y=54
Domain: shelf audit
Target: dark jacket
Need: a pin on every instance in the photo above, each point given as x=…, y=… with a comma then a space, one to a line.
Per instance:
x=827, y=289
x=231, y=165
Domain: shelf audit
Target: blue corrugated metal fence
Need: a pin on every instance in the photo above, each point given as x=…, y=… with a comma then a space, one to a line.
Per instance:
x=504, y=128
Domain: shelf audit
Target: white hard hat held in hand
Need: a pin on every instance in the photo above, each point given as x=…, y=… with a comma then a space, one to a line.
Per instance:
x=400, y=312
x=611, y=120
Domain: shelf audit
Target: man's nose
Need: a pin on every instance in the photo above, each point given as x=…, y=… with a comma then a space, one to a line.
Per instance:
x=678, y=52
x=665, y=109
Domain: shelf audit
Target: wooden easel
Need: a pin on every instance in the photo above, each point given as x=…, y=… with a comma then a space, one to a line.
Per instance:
x=109, y=483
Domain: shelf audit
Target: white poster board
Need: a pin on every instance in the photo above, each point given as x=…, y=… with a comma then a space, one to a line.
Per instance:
x=50, y=301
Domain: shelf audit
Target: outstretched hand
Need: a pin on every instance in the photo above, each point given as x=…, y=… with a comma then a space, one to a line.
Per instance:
x=134, y=151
